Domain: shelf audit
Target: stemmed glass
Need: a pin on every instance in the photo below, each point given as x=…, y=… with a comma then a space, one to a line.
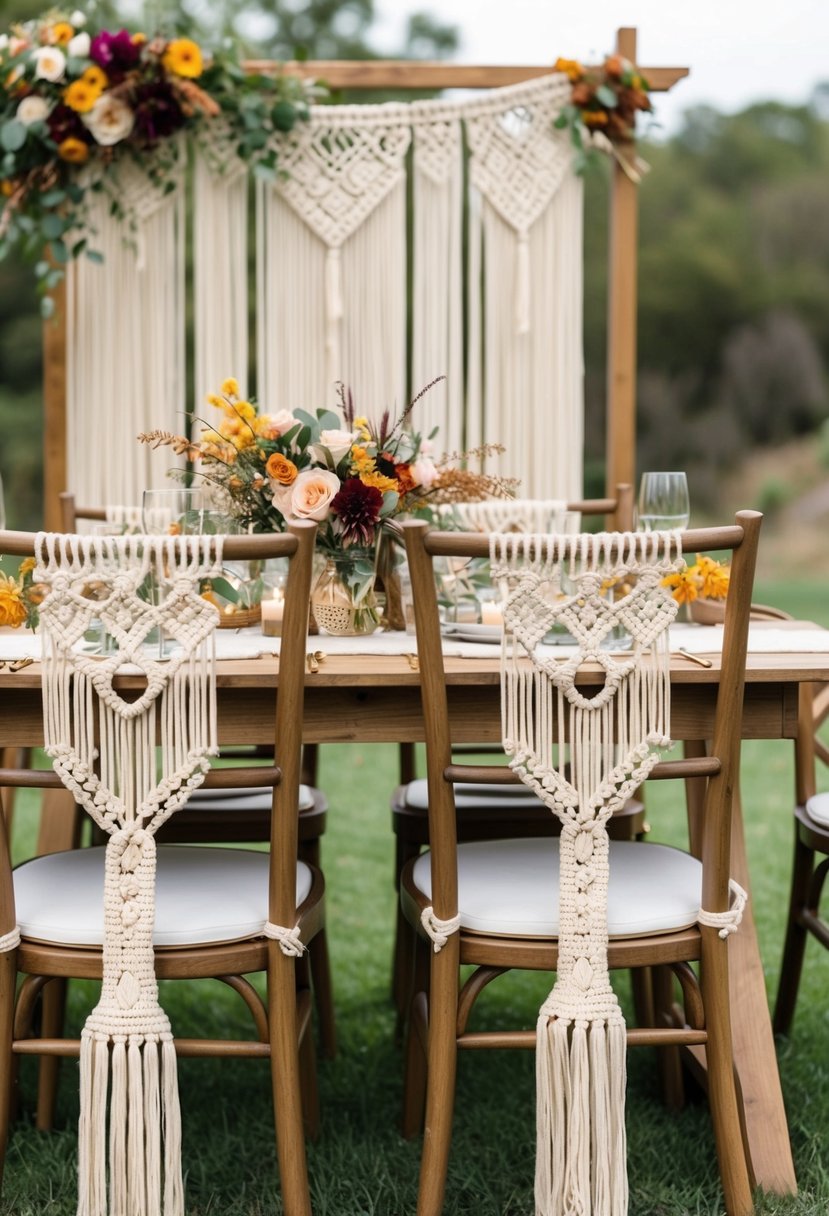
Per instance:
x=663, y=502
x=183, y=511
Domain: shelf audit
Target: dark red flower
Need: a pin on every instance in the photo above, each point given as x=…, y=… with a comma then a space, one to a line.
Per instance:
x=356, y=512
x=64, y=123
x=115, y=53
x=157, y=111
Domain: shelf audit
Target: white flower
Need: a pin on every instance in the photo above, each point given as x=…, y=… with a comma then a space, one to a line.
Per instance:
x=312, y=493
x=4, y=43
x=283, y=421
x=336, y=442
x=423, y=471
x=32, y=109
x=282, y=499
x=78, y=19
x=50, y=63
x=110, y=120
x=79, y=46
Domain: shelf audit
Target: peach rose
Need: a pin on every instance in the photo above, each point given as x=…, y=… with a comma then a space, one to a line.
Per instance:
x=312, y=494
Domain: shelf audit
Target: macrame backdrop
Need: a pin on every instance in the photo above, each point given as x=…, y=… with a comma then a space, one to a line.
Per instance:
x=499, y=312
x=126, y=1044
x=126, y=338
x=509, y=515
x=580, y=1057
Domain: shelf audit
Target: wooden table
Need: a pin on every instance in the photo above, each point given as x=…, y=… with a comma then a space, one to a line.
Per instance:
x=376, y=699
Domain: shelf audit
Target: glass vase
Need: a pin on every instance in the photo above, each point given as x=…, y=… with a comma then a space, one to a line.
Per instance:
x=344, y=599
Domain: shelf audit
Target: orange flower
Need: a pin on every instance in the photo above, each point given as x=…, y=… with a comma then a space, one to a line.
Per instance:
x=714, y=577
x=139, y=39
x=12, y=608
x=183, y=58
x=280, y=469
x=405, y=481
x=613, y=66
x=61, y=33
x=595, y=118
x=81, y=96
x=75, y=151
x=7, y=188
x=684, y=585
x=571, y=68
x=95, y=77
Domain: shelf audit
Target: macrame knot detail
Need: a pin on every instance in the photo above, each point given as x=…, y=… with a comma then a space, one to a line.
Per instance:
x=727, y=922
x=289, y=940
x=10, y=940
x=438, y=930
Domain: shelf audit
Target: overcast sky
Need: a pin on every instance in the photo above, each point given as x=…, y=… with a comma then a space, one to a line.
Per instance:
x=738, y=51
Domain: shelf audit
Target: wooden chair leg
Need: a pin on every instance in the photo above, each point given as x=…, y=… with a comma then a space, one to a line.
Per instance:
x=417, y=1030
x=53, y=1012
x=403, y=951
x=309, y=852
x=308, y=1082
x=8, y=981
x=722, y=1091
x=796, y=935
x=668, y=1061
x=642, y=988
x=440, y=1083
x=285, y=1081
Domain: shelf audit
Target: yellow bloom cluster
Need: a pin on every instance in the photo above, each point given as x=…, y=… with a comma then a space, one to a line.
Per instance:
x=707, y=578
x=12, y=607
x=82, y=93
x=183, y=58
x=365, y=466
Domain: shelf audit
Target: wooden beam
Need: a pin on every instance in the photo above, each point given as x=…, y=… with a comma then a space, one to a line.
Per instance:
x=54, y=410
x=621, y=313
x=420, y=74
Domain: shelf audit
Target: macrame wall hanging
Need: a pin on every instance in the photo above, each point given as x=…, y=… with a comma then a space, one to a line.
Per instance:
x=580, y=1057
x=128, y=1060
x=492, y=296
x=509, y=515
x=126, y=337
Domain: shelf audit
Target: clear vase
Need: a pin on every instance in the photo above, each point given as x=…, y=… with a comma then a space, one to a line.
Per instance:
x=344, y=599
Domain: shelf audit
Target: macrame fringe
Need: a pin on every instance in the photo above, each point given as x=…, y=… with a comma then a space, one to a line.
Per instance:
x=581, y=1147
x=127, y=1070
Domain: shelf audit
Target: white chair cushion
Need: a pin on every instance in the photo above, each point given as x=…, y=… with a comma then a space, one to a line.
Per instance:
x=818, y=809
x=202, y=895
x=255, y=798
x=486, y=795
x=510, y=887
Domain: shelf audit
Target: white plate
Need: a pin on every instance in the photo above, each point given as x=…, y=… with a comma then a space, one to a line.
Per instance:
x=477, y=638
x=472, y=632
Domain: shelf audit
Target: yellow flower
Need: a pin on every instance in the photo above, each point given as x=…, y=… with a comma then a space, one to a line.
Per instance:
x=214, y=399
x=81, y=96
x=26, y=565
x=265, y=427
x=183, y=58
x=378, y=481
x=138, y=39
x=7, y=188
x=75, y=151
x=230, y=387
x=361, y=427
x=12, y=608
x=61, y=33
x=684, y=585
x=361, y=462
x=713, y=577
x=95, y=77
x=244, y=409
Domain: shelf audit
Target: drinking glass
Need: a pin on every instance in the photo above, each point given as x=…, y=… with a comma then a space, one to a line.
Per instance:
x=663, y=502
x=184, y=511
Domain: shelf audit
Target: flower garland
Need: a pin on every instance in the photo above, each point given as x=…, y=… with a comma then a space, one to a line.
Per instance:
x=601, y=114
x=73, y=102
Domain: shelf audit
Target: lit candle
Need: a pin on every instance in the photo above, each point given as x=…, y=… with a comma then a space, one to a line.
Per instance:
x=491, y=613
x=272, y=610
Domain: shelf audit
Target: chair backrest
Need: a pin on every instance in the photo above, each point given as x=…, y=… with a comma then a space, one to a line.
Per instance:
x=720, y=767
x=122, y=518
x=298, y=546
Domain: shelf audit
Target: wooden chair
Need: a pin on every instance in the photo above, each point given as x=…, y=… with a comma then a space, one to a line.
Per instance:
x=811, y=852
x=484, y=811
x=212, y=906
x=472, y=882
x=239, y=816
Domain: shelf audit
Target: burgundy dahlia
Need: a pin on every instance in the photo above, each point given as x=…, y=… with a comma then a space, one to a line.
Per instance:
x=115, y=53
x=157, y=111
x=64, y=123
x=356, y=512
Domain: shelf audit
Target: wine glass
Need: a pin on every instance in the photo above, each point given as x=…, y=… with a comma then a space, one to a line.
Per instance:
x=663, y=502
x=182, y=511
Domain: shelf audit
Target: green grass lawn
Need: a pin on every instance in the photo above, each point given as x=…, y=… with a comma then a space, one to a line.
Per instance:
x=360, y=1165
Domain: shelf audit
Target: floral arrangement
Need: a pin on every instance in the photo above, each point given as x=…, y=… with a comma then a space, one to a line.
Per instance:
x=352, y=476
x=72, y=99
x=20, y=597
x=601, y=113
x=706, y=579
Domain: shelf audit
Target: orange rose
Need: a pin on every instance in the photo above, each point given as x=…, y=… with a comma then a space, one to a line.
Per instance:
x=280, y=469
x=613, y=65
x=75, y=151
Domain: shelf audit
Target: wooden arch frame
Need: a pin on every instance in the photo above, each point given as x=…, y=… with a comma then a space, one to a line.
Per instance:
x=404, y=74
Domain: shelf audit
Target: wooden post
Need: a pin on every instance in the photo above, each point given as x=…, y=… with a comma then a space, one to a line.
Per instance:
x=54, y=410
x=621, y=314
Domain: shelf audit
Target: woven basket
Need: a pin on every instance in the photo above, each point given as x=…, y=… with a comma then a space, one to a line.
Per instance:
x=239, y=618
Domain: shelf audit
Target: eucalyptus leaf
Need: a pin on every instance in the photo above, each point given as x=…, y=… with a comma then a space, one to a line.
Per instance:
x=13, y=135
x=53, y=226
x=329, y=421
x=225, y=589
x=607, y=97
